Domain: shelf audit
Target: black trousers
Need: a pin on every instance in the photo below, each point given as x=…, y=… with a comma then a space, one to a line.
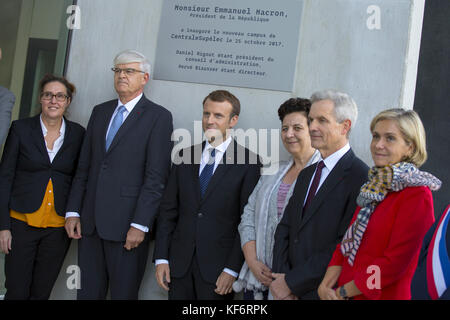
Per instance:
x=192, y=286
x=34, y=262
x=106, y=264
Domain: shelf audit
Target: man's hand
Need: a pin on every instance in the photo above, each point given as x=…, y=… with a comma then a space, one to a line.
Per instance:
x=5, y=241
x=224, y=283
x=325, y=290
x=73, y=227
x=163, y=275
x=279, y=287
x=134, y=238
x=261, y=272
x=326, y=293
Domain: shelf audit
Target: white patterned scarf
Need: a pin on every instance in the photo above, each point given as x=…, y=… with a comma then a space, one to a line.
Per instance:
x=382, y=180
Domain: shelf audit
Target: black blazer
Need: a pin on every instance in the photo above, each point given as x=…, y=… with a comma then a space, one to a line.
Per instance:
x=26, y=168
x=113, y=189
x=207, y=226
x=305, y=241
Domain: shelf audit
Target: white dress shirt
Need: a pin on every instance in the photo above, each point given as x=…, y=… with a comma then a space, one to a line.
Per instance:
x=58, y=142
x=220, y=151
x=330, y=162
x=129, y=107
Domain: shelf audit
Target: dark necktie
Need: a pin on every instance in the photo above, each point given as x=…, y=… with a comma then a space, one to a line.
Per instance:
x=207, y=172
x=115, y=126
x=314, y=185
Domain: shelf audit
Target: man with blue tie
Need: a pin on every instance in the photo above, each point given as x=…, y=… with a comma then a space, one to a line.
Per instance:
x=197, y=251
x=122, y=171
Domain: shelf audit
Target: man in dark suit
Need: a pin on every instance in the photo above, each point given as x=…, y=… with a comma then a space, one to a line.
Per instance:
x=323, y=201
x=197, y=251
x=121, y=176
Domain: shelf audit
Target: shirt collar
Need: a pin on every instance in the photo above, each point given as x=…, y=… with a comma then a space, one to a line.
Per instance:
x=62, y=130
x=334, y=158
x=221, y=147
x=130, y=104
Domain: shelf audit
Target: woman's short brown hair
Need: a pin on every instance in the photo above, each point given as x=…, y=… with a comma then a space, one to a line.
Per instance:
x=70, y=87
x=294, y=105
x=411, y=127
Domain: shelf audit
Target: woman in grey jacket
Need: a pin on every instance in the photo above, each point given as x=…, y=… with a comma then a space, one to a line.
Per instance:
x=269, y=198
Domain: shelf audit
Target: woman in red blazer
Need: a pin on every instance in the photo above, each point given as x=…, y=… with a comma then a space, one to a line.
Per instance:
x=378, y=254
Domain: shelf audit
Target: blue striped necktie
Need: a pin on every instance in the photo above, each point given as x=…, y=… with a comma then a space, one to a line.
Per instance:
x=115, y=126
x=207, y=172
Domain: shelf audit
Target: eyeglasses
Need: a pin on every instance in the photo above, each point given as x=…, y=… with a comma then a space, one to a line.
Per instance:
x=128, y=71
x=60, y=97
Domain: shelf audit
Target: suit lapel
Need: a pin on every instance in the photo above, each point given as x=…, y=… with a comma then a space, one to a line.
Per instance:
x=196, y=156
x=38, y=138
x=104, y=123
x=129, y=122
x=303, y=189
x=336, y=175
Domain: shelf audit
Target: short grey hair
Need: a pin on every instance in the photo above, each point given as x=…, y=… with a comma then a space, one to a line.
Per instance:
x=130, y=56
x=344, y=106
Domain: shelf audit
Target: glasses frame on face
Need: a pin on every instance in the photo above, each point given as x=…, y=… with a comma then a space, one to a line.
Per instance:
x=48, y=96
x=126, y=71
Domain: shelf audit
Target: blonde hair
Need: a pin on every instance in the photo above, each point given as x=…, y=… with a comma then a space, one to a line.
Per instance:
x=411, y=127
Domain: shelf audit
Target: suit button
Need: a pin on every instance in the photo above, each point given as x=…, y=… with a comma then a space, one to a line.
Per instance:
x=200, y=215
x=296, y=241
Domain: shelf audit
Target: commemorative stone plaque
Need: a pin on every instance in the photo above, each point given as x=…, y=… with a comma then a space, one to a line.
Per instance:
x=251, y=43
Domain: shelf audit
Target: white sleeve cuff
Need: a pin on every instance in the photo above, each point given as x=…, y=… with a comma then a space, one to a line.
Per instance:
x=161, y=261
x=231, y=272
x=72, y=215
x=140, y=227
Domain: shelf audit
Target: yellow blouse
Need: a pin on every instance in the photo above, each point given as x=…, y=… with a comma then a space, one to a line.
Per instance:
x=46, y=216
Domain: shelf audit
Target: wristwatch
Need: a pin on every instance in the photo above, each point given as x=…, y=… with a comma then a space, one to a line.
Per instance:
x=343, y=293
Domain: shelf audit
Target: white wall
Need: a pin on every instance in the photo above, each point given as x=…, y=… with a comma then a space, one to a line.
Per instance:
x=337, y=50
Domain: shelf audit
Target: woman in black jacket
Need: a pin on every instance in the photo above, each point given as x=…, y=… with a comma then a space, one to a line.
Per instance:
x=38, y=163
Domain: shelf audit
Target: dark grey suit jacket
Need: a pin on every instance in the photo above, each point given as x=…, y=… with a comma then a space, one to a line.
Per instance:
x=207, y=226
x=7, y=100
x=112, y=189
x=305, y=241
